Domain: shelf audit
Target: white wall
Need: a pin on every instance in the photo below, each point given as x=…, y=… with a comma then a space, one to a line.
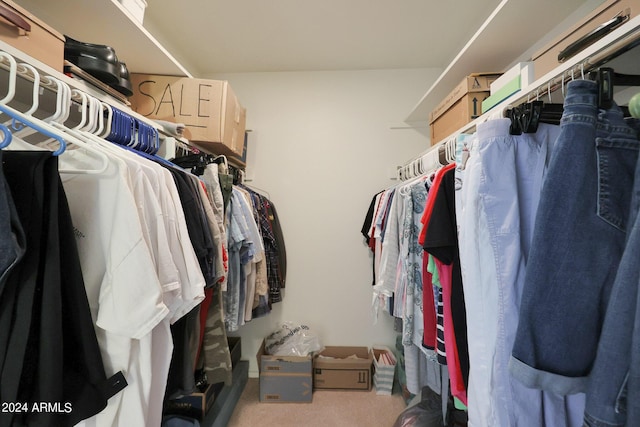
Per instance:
x=321, y=146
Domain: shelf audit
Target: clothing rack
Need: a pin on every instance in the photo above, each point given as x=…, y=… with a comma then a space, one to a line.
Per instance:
x=618, y=42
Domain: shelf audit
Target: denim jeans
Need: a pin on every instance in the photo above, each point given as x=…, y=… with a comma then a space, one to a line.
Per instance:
x=614, y=385
x=499, y=195
x=580, y=232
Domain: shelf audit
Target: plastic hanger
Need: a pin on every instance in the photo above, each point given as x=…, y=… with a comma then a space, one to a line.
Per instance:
x=24, y=69
x=36, y=88
x=83, y=109
x=607, y=79
x=7, y=136
x=13, y=71
x=108, y=120
x=19, y=121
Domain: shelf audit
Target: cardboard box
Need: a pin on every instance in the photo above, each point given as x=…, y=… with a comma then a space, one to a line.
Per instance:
x=214, y=118
x=462, y=112
x=384, y=373
x=460, y=106
x=334, y=368
x=478, y=82
x=32, y=36
x=194, y=405
x=285, y=378
x=546, y=59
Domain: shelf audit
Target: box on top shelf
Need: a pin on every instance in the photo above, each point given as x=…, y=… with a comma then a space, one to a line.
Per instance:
x=20, y=29
x=522, y=69
x=284, y=378
x=512, y=81
x=605, y=18
x=343, y=368
x=214, y=118
x=460, y=106
x=478, y=82
x=459, y=114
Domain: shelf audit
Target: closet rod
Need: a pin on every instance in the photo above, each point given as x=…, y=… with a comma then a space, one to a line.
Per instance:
x=621, y=40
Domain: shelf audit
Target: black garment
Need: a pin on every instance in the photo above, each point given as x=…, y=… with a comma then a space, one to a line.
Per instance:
x=366, y=226
x=22, y=173
x=279, y=238
x=52, y=354
x=441, y=241
x=271, y=251
x=185, y=330
x=199, y=232
x=181, y=380
x=368, y=219
x=12, y=238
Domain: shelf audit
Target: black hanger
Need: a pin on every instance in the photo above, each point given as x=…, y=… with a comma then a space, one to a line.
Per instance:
x=607, y=80
x=526, y=117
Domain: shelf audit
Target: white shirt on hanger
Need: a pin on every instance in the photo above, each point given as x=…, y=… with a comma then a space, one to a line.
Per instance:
x=123, y=289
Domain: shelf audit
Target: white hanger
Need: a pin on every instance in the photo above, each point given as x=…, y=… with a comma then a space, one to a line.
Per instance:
x=36, y=87
x=83, y=108
x=108, y=121
x=13, y=70
x=60, y=99
x=18, y=143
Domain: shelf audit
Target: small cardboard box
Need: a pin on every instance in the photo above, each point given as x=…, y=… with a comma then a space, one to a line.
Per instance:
x=460, y=106
x=467, y=108
x=336, y=368
x=194, y=405
x=210, y=110
x=384, y=372
x=478, y=82
x=546, y=59
x=285, y=378
x=34, y=37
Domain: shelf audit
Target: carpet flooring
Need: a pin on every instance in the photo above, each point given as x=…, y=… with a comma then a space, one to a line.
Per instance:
x=328, y=409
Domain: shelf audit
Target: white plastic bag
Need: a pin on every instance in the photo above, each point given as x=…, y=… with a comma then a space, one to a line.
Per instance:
x=292, y=340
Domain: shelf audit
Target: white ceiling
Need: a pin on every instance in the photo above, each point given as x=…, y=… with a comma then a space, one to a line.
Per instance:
x=209, y=37
x=214, y=36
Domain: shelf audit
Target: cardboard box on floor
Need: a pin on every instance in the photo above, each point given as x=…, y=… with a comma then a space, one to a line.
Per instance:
x=335, y=368
x=460, y=106
x=210, y=110
x=284, y=378
x=196, y=404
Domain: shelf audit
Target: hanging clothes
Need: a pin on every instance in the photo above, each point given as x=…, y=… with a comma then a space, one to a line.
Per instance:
x=590, y=233
x=441, y=241
x=499, y=192
x=44, y=312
